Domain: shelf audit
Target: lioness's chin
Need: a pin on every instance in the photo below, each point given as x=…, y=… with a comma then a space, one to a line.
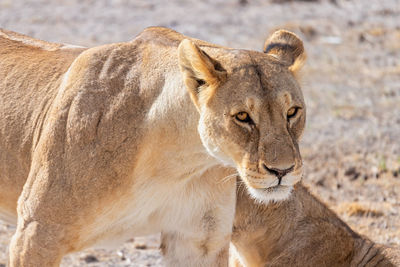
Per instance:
x=271, y=194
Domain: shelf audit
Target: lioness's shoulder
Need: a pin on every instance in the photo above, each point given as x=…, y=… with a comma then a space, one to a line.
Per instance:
x=167, y=37
x=160, y=35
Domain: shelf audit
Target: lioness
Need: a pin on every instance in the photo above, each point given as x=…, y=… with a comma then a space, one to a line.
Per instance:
x=300, y=231
x=101, y=144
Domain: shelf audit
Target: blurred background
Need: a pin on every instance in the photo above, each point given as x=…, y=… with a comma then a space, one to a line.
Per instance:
x=351, y=84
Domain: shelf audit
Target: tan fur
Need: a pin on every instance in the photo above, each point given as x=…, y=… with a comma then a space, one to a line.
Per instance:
x=300, y=231
x=101, y=144
x=287, y=47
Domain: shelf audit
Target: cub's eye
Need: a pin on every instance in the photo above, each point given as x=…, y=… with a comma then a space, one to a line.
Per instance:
x=243, y=117
x=292, y=112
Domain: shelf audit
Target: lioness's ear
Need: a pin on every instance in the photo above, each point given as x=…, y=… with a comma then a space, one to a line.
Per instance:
x=201, y=74
x=287, y=48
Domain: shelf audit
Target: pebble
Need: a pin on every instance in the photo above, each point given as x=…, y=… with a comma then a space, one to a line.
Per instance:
x=140, y=246
x=352, y=173
x=321, y=182
x=121, y=255
x=90, y=259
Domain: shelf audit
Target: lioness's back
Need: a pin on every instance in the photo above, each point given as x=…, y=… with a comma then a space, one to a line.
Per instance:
x=30, y=74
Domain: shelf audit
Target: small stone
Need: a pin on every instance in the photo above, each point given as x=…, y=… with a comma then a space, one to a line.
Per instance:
x=90, y=259
x=140, y=246
x=321, y=182
x=361, y=38
x=352, y=173
x=374, y=170
x=355, y=176
x=121, y=255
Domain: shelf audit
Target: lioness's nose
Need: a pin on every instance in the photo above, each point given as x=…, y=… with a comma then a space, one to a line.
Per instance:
x=279, y=172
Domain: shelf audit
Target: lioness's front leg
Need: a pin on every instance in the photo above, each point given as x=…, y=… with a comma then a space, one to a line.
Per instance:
x=196, y=250
x=48, y=226
x=36, y=244
x=44, y=232
x=202, y=238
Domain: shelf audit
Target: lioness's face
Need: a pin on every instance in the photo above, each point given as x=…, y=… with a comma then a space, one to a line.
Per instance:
x=253, y=119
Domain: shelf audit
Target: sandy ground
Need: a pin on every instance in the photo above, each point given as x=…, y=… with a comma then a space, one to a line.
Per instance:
x=351, y=84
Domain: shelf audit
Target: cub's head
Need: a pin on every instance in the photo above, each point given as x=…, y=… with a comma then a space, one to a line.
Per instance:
x=252, y=111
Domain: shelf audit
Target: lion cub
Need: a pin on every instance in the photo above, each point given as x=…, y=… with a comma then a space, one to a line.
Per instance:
x=301, y=231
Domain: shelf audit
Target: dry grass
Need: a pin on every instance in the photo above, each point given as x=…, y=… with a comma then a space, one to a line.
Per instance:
x=360, y=210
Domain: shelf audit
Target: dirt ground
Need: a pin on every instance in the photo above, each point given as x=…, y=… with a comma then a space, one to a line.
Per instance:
x=351, y=83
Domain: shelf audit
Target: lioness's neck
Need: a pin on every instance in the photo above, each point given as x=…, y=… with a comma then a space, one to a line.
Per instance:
x=172, y=121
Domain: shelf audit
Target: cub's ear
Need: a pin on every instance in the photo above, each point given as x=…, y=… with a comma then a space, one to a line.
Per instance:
x=287, y=48
x=202, y=74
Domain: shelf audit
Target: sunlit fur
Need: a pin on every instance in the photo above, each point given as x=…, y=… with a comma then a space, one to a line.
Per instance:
x=101, y=144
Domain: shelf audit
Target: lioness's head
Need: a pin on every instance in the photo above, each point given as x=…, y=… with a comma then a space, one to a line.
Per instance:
x=252, y=111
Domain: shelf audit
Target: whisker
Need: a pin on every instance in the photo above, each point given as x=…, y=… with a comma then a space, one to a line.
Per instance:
x=227, y=178
x=241, y=187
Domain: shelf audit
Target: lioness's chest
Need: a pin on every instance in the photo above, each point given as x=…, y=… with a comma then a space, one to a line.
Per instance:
x=151, y=208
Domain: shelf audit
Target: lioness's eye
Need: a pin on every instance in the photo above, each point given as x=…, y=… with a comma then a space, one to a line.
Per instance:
x=243, y=117
x=292, y=112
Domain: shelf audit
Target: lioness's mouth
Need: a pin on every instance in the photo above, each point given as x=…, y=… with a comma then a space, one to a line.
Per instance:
x=267, y=187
